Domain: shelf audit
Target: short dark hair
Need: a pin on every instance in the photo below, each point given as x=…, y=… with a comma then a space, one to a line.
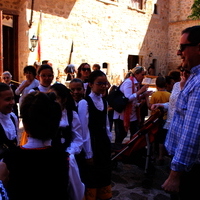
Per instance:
x=4, y=87
x=97, y=66
x=77, y=80
x=93, y=76
x=193, y=34
x=160, y=82
x=64, y=93
x=42, y=67
x=175, y=75
x=30, y=68
x=41, y=115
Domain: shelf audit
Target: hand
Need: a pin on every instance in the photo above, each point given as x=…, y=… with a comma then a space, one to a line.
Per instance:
x=27, y=83
x=184, y=77
x=148, y=93
x=172, y=183
x=4, y=173
x=156, y=106
x=144, y=88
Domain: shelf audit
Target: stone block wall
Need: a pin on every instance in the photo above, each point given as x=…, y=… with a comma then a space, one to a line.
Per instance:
x=101, y=31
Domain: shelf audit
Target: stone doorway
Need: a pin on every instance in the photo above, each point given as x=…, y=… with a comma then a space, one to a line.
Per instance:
x=9, y=37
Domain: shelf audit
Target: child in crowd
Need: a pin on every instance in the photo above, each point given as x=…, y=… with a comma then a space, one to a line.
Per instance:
x=45, y=76
x=69, y=137
x=29, y=83
x=8, y=120
x=38, y=170
x=160, y=96
x=77, y=89
x=96, y=174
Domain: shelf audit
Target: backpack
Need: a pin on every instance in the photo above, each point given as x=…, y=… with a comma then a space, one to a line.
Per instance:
x=116, y=99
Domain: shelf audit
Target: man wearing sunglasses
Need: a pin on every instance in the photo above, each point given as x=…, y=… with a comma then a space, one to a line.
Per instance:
x=183, y=139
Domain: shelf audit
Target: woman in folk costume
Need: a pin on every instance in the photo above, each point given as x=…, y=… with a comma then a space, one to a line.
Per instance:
x=128, y=118
x=96, y=168
x=69, y=137
x=37, y=169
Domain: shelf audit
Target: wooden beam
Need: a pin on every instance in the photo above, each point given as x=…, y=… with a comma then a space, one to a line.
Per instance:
x=31, y=17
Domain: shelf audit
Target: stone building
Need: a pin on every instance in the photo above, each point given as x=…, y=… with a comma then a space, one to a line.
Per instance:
x=117, y=34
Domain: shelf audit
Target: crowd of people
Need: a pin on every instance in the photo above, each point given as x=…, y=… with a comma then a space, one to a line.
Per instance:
x=65, y=149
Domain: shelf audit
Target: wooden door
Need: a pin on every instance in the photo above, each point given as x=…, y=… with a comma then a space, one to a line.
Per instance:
x=9, y=44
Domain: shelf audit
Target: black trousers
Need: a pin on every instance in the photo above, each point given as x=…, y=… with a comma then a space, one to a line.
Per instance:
x=120, y=132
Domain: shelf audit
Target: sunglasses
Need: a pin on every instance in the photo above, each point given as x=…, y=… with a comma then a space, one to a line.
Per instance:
x=85, y=69
x=6, y=77
x=183, y=46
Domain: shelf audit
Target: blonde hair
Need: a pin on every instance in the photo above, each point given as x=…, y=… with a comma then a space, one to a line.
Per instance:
x=137, y=70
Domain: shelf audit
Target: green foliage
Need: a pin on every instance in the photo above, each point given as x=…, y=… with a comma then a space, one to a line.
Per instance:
x=195, y=10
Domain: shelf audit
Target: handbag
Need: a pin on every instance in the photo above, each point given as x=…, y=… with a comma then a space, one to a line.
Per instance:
x=116, y=99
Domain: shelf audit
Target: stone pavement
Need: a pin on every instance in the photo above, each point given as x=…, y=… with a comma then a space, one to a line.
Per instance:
x=128, y=183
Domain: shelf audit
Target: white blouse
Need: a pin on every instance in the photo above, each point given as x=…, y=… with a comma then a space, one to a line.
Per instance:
x=41, y=89
x=10, y=129
x=33, y=84
x=77, y=140
x=171, y=105
x=84, y=119
x=36, y=143
x=126, y=88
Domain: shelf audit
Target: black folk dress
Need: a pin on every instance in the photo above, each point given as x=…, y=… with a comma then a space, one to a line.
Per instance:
x=99, y=174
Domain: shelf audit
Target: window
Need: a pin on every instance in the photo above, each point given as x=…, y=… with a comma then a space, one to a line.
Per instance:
x=137, y=4
x=155, y=9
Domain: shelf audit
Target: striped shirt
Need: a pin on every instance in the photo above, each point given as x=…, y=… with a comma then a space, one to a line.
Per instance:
x=183, y=138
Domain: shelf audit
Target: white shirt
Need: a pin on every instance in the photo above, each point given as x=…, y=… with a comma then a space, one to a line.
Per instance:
x=36, y=143
x=10, y=129
x=171, y=105
x=126, y=88
x=77, y=140
x=41, y=89
x=84, y=119
x=26, y=90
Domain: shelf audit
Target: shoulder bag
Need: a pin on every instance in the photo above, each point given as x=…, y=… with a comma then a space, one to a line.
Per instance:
x=116, y=99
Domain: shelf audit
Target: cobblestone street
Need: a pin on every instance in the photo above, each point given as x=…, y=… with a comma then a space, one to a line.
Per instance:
x=128, y=183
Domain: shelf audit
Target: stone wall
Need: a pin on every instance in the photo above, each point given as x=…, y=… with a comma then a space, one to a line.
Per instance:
x=101, y=31
x=178, y=20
